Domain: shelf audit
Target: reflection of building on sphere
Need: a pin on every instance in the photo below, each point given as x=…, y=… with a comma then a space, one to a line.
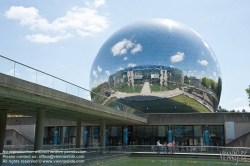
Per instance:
x=155, y=75
x=158, y=64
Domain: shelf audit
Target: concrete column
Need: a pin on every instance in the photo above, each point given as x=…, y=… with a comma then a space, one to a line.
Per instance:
x=102, y=133
x=39, y=133
x=78, y=133
x=3, y=120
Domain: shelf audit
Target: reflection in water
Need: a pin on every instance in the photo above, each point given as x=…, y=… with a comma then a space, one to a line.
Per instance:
x=141, y=161
x=155, y=67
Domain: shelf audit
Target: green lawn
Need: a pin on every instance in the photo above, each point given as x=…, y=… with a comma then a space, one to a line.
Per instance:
x=156, y=88
x=111, y=102
x=183, y=104
x=191, y=103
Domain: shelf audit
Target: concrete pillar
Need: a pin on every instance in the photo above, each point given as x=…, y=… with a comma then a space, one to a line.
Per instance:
x=102, y=133
x=78, y=133
x=3, y=120
x=39, y=133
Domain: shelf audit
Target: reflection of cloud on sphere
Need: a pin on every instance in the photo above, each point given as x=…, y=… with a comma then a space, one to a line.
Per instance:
x=177, y=58
x=123, y=46
x=203, y=62
x=157, y=65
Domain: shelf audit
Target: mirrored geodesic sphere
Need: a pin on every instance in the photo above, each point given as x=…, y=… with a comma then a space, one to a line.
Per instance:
x=157, y=66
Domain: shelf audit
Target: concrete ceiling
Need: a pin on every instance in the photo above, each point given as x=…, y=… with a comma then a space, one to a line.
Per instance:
x=25, y=98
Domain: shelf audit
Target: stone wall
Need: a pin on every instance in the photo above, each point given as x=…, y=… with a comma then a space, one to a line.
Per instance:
x=198, y=118
x=242, y=141
x=16, y=138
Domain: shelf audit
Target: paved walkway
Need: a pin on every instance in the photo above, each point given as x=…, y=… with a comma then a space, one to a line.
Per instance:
x=146, y=89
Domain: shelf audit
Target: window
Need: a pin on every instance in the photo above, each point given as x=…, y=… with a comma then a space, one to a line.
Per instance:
x=8, y=141
x=188, y=130
x=161, y=131
x=197, y=131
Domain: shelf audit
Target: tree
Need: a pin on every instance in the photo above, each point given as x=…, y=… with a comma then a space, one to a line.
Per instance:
x=248, y=93
x=205, y=82
x=220, y=109
x=213, y=85
x=243, y=110
x=219, y=88
x=186, y=80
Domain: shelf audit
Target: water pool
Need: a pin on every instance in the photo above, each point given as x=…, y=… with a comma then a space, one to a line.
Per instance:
x=153, y=161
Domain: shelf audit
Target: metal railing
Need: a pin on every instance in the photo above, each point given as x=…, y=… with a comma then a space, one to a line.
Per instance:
x=16, y=69
x=97, y=154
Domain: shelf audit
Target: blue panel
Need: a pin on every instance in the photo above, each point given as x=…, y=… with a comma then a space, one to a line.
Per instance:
x=86, y=138
x=170, y=136
x=56, y=138
x=125, y=136
x=206, y=138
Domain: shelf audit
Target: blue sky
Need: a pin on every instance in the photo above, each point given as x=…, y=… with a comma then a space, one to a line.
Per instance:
x=63, y=37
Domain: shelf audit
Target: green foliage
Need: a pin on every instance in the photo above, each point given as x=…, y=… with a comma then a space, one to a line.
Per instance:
x=177, y=104
x=209, y=83
x=127, y=89
x=186, y=80
x=214, y=85
x=97, y=89
x=220, y=109
x=248, y=93
x=219, y=88
x=156, y=88
x=205, y=82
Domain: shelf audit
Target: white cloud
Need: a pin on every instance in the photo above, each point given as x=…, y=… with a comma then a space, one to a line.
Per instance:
x=123, y=46
x=95, y=4
x=241, y=108
x=40, y=38
x=82, y=33
x=131, y=65
x=238, y=99
x=177, y=58
x=203, y=62
x=99, y=3
x=81, y=21
x=125, y=58
x=95, y=74
x=136, y=49
x=99, y=69
x=120, y=68
x=107, y=72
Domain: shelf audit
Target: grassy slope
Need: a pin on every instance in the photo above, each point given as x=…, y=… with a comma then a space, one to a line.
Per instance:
x=183, y=104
